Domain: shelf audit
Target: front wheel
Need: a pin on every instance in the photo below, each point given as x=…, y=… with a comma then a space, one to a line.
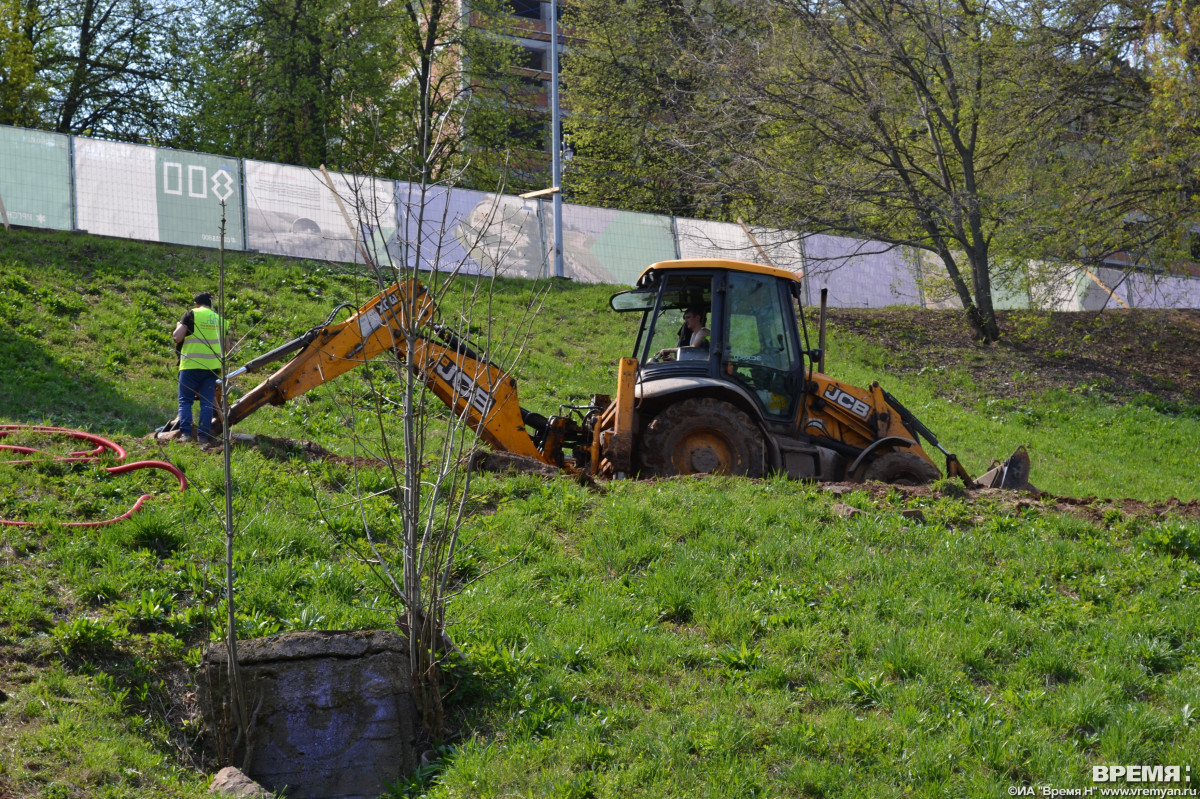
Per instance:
x=701, y=436
x=901, y=467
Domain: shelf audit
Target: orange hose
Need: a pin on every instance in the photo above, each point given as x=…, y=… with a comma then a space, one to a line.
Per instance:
x=102, y=445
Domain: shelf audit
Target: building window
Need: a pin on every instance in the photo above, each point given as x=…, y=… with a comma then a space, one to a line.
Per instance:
x=529, y=58
x=531, y=134
x=529, y=9
x=530, y=66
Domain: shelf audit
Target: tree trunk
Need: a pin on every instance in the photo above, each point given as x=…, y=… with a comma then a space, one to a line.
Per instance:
x=982, y=315
x=81, y=63
x=976, y=298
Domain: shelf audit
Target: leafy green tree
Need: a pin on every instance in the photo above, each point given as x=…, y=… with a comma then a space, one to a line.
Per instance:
x=22, y=95
x=104, y=68
x=1111, y=181
x=981, y=131
x=627, y=63
x=461, y=109
x=386, y=88
x=915, y=123
x=1161, y=173
x=276, y=75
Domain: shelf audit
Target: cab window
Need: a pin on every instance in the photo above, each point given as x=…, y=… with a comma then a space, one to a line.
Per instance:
x=667, y=330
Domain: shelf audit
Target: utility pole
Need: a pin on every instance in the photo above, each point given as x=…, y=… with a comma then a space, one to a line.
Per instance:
x=556, y=140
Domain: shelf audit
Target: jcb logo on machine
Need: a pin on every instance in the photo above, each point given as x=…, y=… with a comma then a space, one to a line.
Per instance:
x=463, y=386
x=852, y=404
x=373, y=319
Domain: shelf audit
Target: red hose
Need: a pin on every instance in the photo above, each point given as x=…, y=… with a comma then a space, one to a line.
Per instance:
x=102, y=444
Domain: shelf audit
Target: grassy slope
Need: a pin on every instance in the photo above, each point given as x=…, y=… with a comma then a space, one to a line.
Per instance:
x=687, y=637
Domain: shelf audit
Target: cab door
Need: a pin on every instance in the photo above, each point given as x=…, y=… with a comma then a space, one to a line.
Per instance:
x=761, y=349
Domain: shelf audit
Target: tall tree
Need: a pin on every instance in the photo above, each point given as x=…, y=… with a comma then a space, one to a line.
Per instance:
x=909, y=121
x=1104, y=185
x=457, y=116
x=1161, y=173
x=364, y=85
x=626, y=65
x=105, y=68
x=977, y=130
x=274, y=76
x=22, y=94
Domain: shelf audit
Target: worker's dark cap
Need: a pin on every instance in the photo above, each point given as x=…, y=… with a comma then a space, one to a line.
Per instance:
x=203, y=298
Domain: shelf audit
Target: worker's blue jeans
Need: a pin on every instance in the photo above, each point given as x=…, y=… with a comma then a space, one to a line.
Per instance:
x=196, y=384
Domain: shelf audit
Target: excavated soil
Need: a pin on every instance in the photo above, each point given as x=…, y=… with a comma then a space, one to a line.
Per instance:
x=1094, y=509
x=1122, y=355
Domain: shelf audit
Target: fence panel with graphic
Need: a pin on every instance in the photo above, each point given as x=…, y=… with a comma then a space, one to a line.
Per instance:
x=605, y=246
x=133, y=191
x=35, y=178
x=860, y=274
x=297, y=211
x=1161, y=291
x=464, y=231
x=138, y=192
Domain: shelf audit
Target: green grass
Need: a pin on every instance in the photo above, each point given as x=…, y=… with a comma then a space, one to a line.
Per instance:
x=730, y=638
x=688, y=637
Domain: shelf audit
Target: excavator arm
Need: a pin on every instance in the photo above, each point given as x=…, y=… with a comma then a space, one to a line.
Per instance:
x=478, y=392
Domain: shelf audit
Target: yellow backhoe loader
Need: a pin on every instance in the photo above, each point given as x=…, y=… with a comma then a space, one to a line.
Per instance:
x=749, y=397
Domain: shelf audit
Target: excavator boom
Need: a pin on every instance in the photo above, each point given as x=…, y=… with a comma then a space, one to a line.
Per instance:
x=478, y=392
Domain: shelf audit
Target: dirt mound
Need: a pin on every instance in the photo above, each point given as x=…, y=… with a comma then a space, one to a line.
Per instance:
x=1122, y=354
x=1092, y=508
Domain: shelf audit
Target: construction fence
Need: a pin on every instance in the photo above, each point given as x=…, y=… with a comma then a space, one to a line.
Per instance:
x=61, y=182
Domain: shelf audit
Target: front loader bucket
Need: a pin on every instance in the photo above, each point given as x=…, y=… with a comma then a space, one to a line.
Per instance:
x=1012, y=474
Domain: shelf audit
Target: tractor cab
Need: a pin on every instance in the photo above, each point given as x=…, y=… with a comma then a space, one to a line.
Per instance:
x=720, y=381
x=751, y=349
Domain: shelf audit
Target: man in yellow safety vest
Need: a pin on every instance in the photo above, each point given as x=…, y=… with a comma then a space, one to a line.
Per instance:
x=202, y=336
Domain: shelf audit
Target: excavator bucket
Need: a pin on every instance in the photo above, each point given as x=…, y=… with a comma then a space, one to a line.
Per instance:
x=1012, y=474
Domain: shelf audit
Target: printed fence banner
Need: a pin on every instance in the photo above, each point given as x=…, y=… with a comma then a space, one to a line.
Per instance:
x=604, y=246
x=370, y=204
x=190, y=188
x=1162, y=291
x=1068, y=287
x=699, y=238
x=114, y=189
x=138, y=192
x=35, y=178
x=1054, y=286
x=1010, y=283
x=1010, y=288
x=292, y=210
x=1107, y=289
x=463, y=231
x=864, y=274
x=781, y=248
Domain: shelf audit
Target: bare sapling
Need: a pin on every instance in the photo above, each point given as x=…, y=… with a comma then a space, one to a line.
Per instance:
x=444, y=321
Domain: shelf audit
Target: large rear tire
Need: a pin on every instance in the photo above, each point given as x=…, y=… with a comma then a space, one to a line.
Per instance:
x=701, y=436
x=901, y=467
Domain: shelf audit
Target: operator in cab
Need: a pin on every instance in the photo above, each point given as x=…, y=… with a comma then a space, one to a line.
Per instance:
x=692, y=334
